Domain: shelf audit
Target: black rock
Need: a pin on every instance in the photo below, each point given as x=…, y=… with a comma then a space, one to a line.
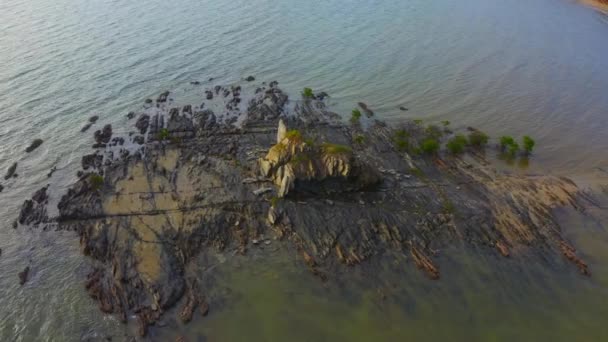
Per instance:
x=250, y=79
x=86, y=127
x=23, y=276
x=368, y=112
x=34, y=145
x=130, y=115
x=209, y=94
x=195, y=82
x=321, y=96
x=117, y=141
x=93, y=119
x=142, y=123
x=11, y=171
x=139, y=139
x=1, y=187
x=103, y=136
x=403, y=109
x=91, y=161
x=148, y=101
x=163, y=97
x=53, y=169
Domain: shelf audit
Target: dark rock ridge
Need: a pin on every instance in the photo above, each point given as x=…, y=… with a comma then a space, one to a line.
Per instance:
x=11, y=172
x=34, y=145
x=336, y=194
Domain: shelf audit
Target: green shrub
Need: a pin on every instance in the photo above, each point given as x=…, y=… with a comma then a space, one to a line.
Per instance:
x=336, y=149
x=512, y=149
x=163, y=134
x=445, y=123
x=96, y=181
x=294, y=135
x=416, y=172
x=528, y=144
x=478, y=139
x=309, y=141
x=506, y=141
x=430, y=146
x=275, y=201
x=360, y=139
x=356, y=116
x=401, y=140
x=457, y=144
x=307, y=93
x=433, y=131
x=418, y=122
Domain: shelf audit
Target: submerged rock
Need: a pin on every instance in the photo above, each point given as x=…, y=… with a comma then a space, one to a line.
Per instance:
x=250, y=79
x=23, y=276
x=11, y=171
x=198, y=184
x=34, y=145
x=104, y=135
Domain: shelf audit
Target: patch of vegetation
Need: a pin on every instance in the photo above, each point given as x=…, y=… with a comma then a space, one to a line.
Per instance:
x=275, y=201
x=418, y=122
x=445, y=123
x=433, y=131
x=355, y=116
x=457, y=144
x=478, y=139
x=506, y=141
x=163, y=134
x=309, y=141
x=300, y=158
x=336, y=149
x=448, y=207
x=307, y=93
x=528, y=144
x=416, y=172
x=430, y=146
x=176, y=140
x=294, y=135
x=96, y=181
x=401, y=140
x=359, y=139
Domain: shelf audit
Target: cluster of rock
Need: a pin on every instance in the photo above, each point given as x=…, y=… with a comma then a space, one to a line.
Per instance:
x=197, y=182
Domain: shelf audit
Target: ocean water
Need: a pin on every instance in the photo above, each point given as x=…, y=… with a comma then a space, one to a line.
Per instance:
x=536, y=67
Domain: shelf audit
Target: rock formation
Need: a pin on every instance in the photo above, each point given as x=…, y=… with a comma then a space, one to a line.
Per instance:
x=336, y=194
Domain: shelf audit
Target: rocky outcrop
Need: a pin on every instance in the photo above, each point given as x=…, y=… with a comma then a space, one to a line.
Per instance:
x=33, y=211
x=335, y=194
x=104, y=135
x=314, y=167
x=11, y=172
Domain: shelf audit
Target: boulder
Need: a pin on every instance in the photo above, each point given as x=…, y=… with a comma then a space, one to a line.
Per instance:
x=104, y=135
x=11, y=171
x=34, y=145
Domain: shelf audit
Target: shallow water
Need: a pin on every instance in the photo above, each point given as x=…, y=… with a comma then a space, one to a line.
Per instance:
x=517, y=67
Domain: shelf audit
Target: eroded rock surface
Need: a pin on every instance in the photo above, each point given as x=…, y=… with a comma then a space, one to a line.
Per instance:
x=336, y=194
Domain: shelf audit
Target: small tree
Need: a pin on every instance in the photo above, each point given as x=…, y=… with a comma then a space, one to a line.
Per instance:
x=506, y=141
x=528, y=144
x=457, y=144
x=356, y=116
x=430, y=146
x=478, y=139
x=307, y=93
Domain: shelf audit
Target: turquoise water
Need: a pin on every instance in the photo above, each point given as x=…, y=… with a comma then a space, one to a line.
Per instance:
x=536, y=67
